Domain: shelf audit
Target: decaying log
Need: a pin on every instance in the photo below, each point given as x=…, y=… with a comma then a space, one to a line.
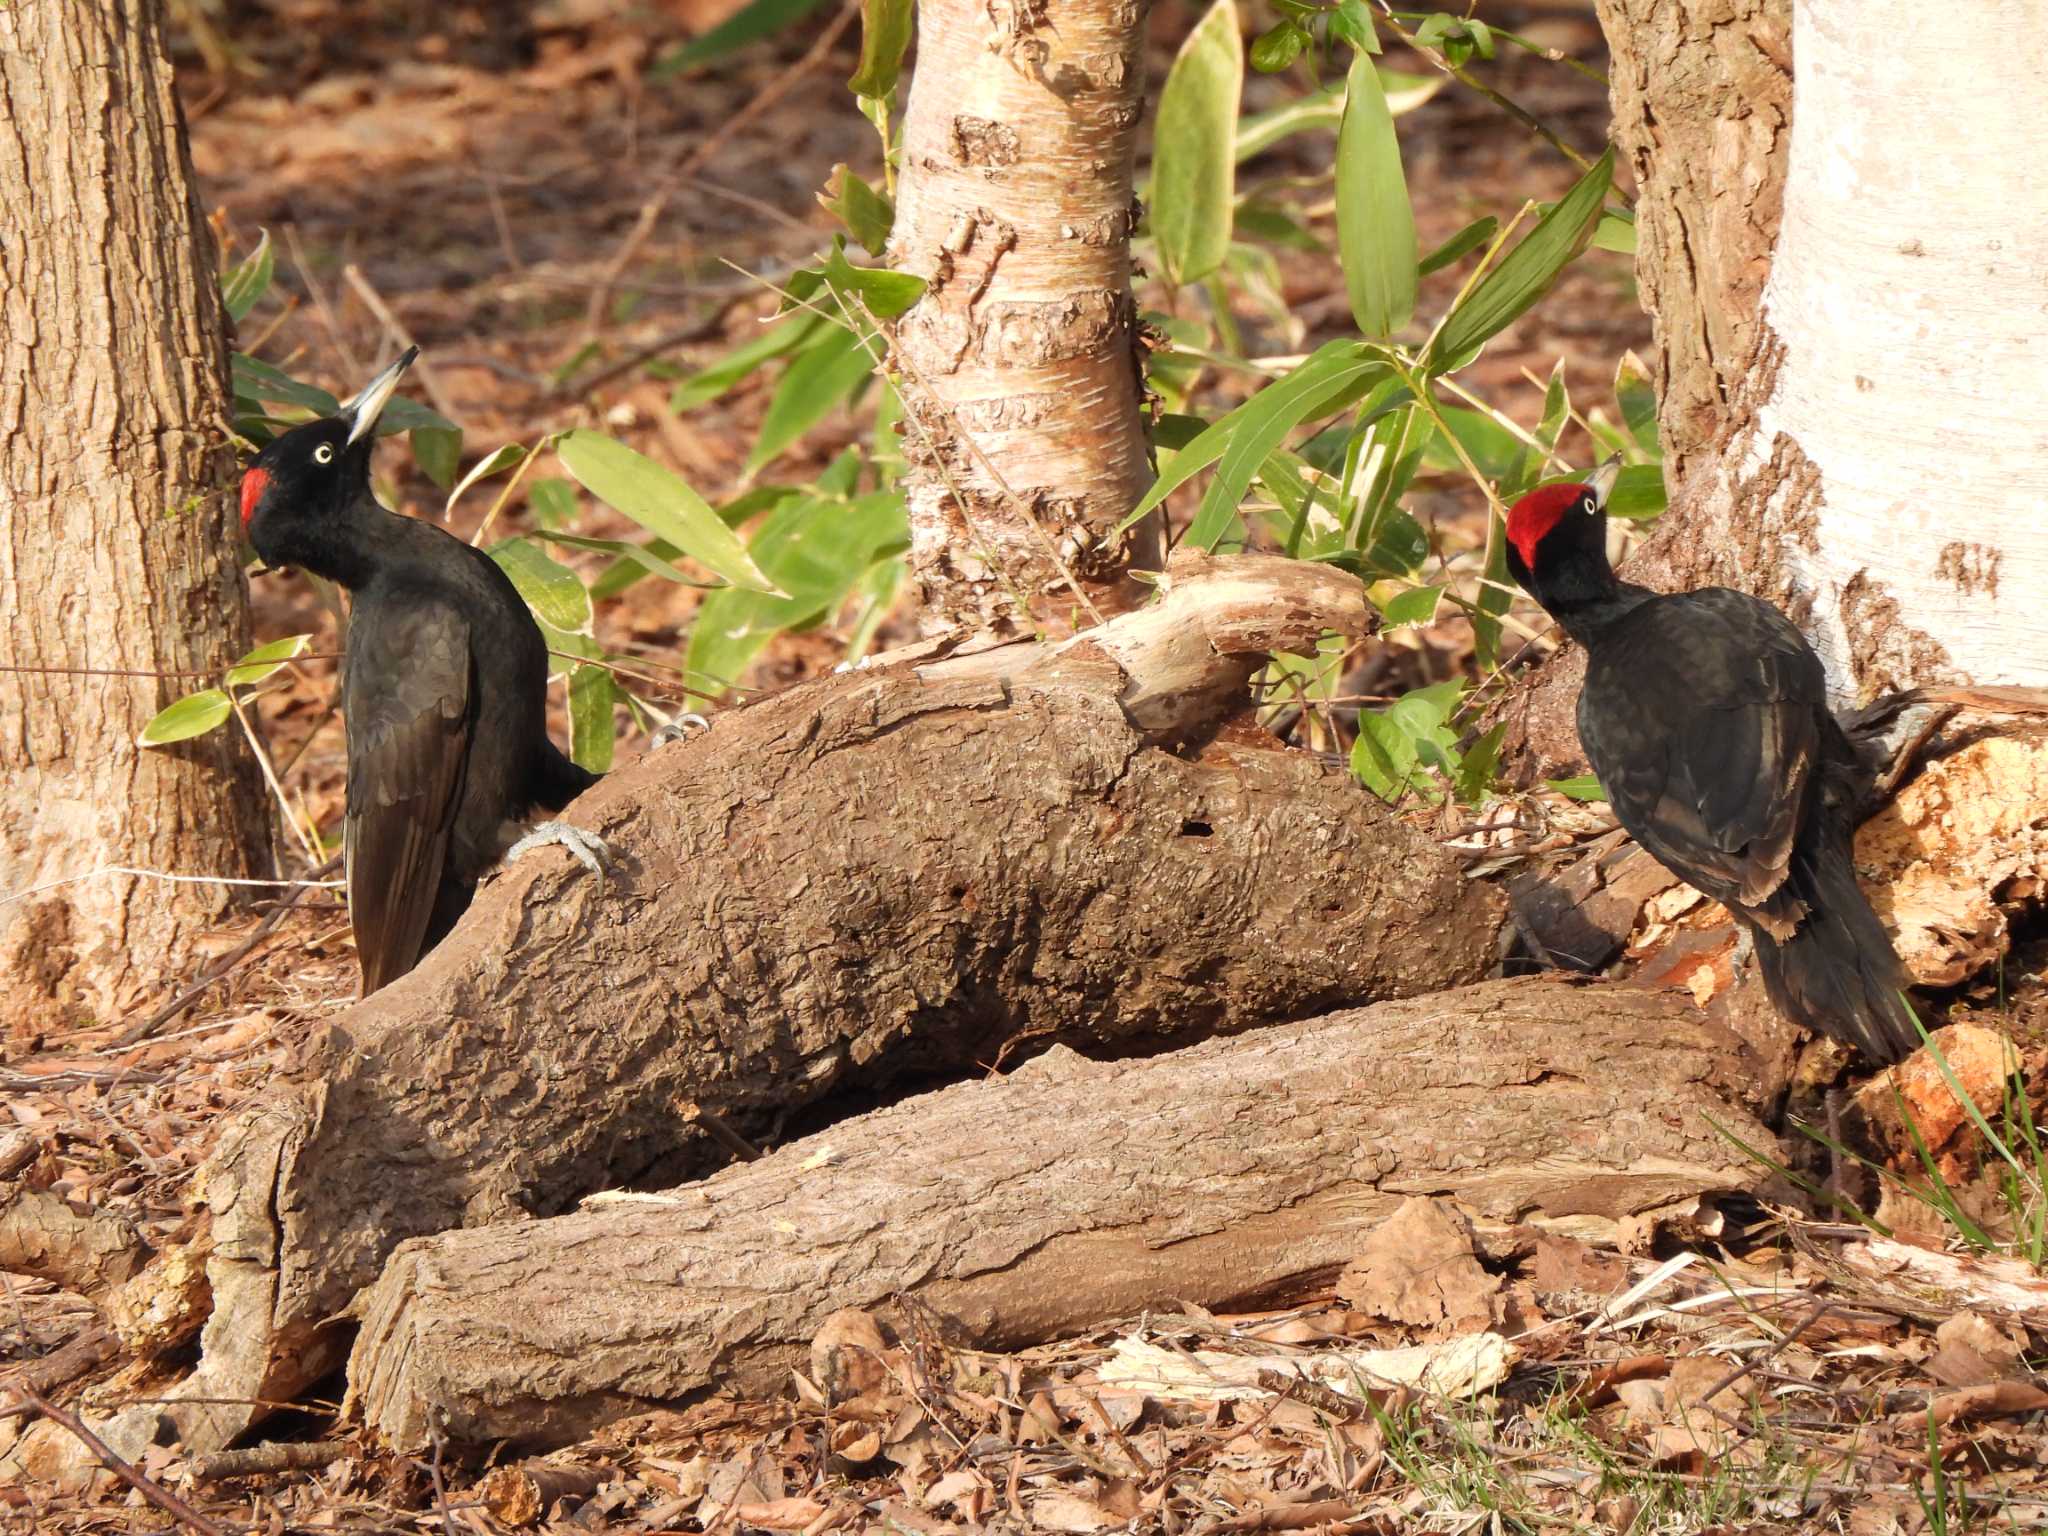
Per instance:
x=80, y=1247
x=1069, y=1192
x=911, y=867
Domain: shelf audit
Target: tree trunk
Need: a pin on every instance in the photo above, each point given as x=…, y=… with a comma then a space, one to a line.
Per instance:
x=1238, y=1172
x=1859, y=448
x=118, y=547
x=904, y=869
x=1020, y=366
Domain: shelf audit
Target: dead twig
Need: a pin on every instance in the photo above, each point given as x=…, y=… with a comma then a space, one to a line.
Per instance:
x=268, y=1456
x=148, y=1487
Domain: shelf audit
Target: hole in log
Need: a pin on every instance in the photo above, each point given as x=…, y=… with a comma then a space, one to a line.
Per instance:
x=1195, y=829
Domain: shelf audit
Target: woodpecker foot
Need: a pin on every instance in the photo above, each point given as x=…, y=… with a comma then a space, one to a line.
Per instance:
x=587, y=848
x=678, y=729
x=1745, y=953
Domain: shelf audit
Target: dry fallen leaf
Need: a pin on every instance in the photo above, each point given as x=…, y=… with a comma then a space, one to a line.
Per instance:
x=1420, y=1267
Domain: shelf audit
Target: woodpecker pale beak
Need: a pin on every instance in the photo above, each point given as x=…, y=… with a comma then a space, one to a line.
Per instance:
x=1601, y=481
x=368, y=405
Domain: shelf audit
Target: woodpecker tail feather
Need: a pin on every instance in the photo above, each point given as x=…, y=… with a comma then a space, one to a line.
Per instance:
x=1838, y=975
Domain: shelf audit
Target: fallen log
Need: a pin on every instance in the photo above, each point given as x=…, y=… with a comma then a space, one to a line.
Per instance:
x=909, y=868
x=1241, y=1171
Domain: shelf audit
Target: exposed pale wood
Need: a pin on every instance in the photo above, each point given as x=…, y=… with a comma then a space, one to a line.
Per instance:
x=1070, y=1192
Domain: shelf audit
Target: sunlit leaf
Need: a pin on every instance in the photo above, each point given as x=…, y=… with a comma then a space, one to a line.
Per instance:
x=1638, y=403
x=816, y=383
x=1417, y=605
x=243, y=284
x=193, y=715
x=884, y=35
x=265, y=660
x=1525, y=274
x=555, y=593
x=592, y=693
x=507, y=457
x=258, y=380
x=783, y=337
x=1584, y=787
x=866, y=213
x=751, y=23
x=1194, y=156
x=659, y=501
x=1465, y=241
x=1375, y=224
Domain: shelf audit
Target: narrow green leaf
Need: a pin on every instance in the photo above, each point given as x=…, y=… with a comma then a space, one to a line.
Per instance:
x=243, y=284
x=1638, y=493
x=265, y=660
x=1194, y=156
x=592, y=693
x=1323, y=109
x=658, y=501
x=508, y=456
x=1466, y=240
x=438, y=452
x=763, y=18
x=1638, y=403
x=817, y=383
x=1616, y=232
x=403, y=415
x=258, y=380
x=1533, y=462
x=887, y=294
x=1495, y=593
x=866, y=213
x=1325, y=374
x=555, y=593
x=1526, y=272
x=1375, y=224
x=783, y=337
x=193, y=715
x=1473, y=778
x=1417, y=605
x=884, y=35
x=646, y=557
x=1584, y=787
x=552, y=502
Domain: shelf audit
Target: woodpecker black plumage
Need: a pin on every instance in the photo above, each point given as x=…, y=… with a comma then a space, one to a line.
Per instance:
x=1704, y=715
x=444, y=687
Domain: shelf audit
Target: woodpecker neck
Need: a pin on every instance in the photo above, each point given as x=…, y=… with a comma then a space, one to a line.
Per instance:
x=348, y=547
x=1578, y=588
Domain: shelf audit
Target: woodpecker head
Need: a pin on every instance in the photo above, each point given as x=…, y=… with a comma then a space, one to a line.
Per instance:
x=304, y=483
x=1557, y=540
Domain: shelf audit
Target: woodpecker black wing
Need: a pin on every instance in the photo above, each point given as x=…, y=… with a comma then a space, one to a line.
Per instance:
x=1702, y=715
x=409, y=704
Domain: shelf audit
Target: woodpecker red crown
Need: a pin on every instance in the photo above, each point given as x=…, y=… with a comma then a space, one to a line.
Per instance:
x=1531, y=519
x=253, y=484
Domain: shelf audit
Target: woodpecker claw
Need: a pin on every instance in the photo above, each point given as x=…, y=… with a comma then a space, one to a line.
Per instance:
x=587, y=848
x=678, y=730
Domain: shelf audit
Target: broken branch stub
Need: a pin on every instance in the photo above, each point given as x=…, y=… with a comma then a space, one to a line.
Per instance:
x=874, y=874
x=1241, y=1171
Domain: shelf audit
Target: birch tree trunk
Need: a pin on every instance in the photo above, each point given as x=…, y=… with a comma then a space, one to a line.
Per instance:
x=116, y=549
x=1020, y=369
x=1849, y=330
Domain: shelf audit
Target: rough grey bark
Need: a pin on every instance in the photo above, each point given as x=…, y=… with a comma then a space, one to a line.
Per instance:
x=1062, y=1196
x=1019, y=366
x=1702, y=95
x=911, y=868
x=117, y=550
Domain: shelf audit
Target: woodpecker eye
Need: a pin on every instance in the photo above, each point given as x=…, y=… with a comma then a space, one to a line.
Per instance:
x=324, y=454
x=1589, y=503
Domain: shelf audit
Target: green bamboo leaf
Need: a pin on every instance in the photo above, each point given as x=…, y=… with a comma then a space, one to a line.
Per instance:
x=243, y=284
x=884, y=35
x=1638, y=493
x=1638, y=403
x=763, y=18
x=555, y=593
x=783, y=337
x=1468, y=239
x=866, y=213
x=265, y=660
x=193, y=715
x=658, y=501
x=647, y=557
x=1417, y=605
x=1194, y=156
x=1584, y=787
x=258, y=380
x=506, y=457
x=1375, y=224
x=552, y=502
x=592, y=693
x=1325, y=374
x=817, y=383
x=1525, y=273
x=438, y=452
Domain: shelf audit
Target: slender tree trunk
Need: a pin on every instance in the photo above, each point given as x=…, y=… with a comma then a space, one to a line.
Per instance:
x=1848, y=323
x=117, y=546
x=1020, y=366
